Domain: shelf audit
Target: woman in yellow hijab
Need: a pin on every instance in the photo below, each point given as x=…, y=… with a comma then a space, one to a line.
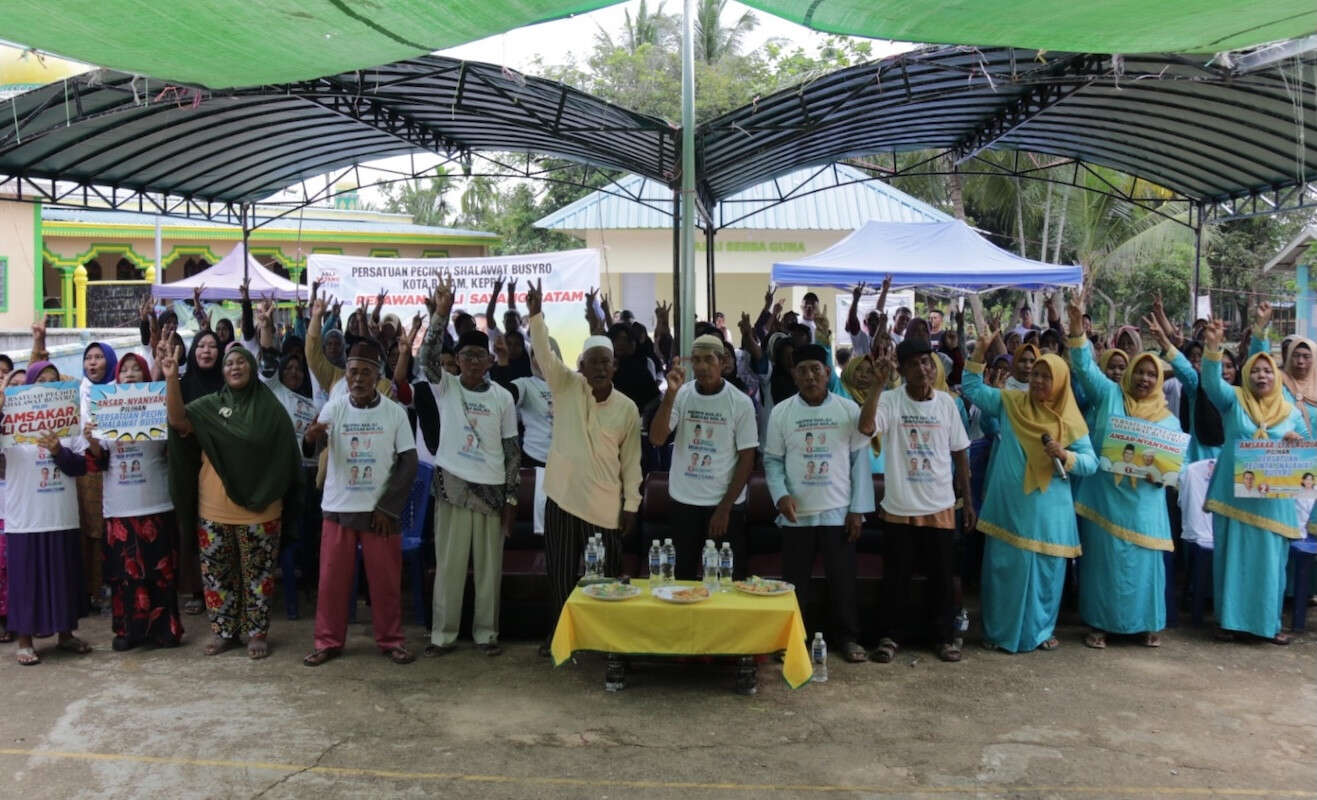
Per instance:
x=1028, y=513
x=1124, y=527
x=1250, y=528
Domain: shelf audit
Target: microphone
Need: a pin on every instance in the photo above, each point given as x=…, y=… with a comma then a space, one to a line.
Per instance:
x=1056, y=462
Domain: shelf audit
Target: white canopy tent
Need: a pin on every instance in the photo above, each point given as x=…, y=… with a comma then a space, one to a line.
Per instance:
x=223, y=281
x=946, y=256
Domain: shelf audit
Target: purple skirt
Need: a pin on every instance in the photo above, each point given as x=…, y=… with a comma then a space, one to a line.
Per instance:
x=46, y=592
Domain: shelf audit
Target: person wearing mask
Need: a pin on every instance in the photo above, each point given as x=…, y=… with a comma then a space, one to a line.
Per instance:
x=1028, y=513
x=920, y=421
x=592, y=480
x=1124, y=526
x=476, y=483
x=1250, y=535
x=362, y=514
x=231, y=498
x=709, y=501
x=99, y=363
x=821, y=508
x=202, y=375
x=47, y=593
x=141, y=544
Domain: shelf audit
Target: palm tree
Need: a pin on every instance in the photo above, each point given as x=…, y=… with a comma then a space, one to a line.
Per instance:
x=712, y=40
x=423, y=199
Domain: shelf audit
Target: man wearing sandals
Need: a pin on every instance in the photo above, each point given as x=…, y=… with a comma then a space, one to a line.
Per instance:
x=365, y=511
x=822, y=509
x=917, y=423
x=479, y=469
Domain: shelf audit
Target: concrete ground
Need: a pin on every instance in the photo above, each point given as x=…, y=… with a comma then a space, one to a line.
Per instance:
x=1196, y=718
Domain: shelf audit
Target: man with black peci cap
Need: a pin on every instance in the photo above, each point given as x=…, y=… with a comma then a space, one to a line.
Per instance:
x=822, y=507
x=920, y=425
x=368, y=436
x=479, y=471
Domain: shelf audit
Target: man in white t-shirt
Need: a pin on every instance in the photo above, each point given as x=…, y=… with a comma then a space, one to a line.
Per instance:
x=715, y=431
x=479, y=471
x=370, y=466
x=821, y=508
x=920, y=425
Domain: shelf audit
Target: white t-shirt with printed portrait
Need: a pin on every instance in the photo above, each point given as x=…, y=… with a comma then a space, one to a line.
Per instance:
x=816, y=443
x=38, y=496
x=918, y=438
x=710, y=430
x=472, y=427
x=363, y=443
x=136, y=480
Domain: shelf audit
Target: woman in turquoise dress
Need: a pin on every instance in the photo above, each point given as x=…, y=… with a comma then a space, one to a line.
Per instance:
x=1124, y=527
x=1251, y=534
x=1028, y=516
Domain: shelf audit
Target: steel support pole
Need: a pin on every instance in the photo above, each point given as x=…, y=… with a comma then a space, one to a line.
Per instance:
x=708, y=270
x=686, y=307
x=1198, y=261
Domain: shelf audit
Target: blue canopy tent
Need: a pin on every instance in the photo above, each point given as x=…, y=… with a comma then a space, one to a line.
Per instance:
x=947, y=256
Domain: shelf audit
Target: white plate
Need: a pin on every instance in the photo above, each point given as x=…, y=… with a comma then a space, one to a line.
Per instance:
x=665, y=593
x=593, y=590
x=786, y=589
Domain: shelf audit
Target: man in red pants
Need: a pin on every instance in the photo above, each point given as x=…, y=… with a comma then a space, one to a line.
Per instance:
x=363, y=511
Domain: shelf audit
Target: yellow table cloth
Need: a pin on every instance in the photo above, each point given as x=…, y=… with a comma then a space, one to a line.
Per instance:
x=727, y=624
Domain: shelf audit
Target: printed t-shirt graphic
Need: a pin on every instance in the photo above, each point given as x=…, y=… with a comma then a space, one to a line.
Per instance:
x=710, y=430
x=816, y=443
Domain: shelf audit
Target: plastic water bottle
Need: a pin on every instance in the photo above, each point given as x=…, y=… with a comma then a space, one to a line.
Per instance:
x=819, y=654
x=710, y=559
x=725, y=566
x=591, y=559
x=669, y=560
x=655, y=564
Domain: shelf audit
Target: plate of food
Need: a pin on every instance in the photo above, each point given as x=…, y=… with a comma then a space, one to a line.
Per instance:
x=681, y=594
x=611, y=591
x=764, y=587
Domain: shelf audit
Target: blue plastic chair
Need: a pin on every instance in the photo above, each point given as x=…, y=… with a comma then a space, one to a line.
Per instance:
x=1302, y=553
x=412, y=524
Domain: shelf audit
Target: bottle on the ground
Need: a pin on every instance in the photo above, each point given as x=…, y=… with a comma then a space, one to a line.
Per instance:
x=819, y=655
x=669, y=560
x=655, y=563
x=725, y=567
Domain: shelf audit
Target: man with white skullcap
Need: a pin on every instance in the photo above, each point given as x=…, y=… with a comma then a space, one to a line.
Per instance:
x=714, y=421
x=592, y=480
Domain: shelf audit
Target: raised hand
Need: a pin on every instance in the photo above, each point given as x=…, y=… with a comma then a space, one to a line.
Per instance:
x=1264, y=313
x=534, y=297
x=676, y=375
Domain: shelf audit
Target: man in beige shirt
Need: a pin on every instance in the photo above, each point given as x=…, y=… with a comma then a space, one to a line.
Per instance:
x=592, y=478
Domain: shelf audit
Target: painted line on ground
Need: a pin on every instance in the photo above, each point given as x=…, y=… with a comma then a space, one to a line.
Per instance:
x=535, y=780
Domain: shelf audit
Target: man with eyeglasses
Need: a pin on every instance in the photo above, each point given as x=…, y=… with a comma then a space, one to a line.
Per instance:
x=475, y=485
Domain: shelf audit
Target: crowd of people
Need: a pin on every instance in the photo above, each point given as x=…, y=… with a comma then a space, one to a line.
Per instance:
x=297, y=438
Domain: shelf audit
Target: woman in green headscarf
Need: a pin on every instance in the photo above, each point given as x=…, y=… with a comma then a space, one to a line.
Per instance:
x=234, y=473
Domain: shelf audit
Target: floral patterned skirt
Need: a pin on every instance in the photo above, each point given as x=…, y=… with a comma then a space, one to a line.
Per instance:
x=141, y=568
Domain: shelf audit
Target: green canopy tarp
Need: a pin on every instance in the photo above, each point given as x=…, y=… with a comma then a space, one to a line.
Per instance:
x=1094, y=26
x=226, y=43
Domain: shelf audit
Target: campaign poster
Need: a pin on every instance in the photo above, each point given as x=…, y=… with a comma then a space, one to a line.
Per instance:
x=1275, y=469
x=31, y=411
x=1143, y=451
x=566, y=276
x=129, y=411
